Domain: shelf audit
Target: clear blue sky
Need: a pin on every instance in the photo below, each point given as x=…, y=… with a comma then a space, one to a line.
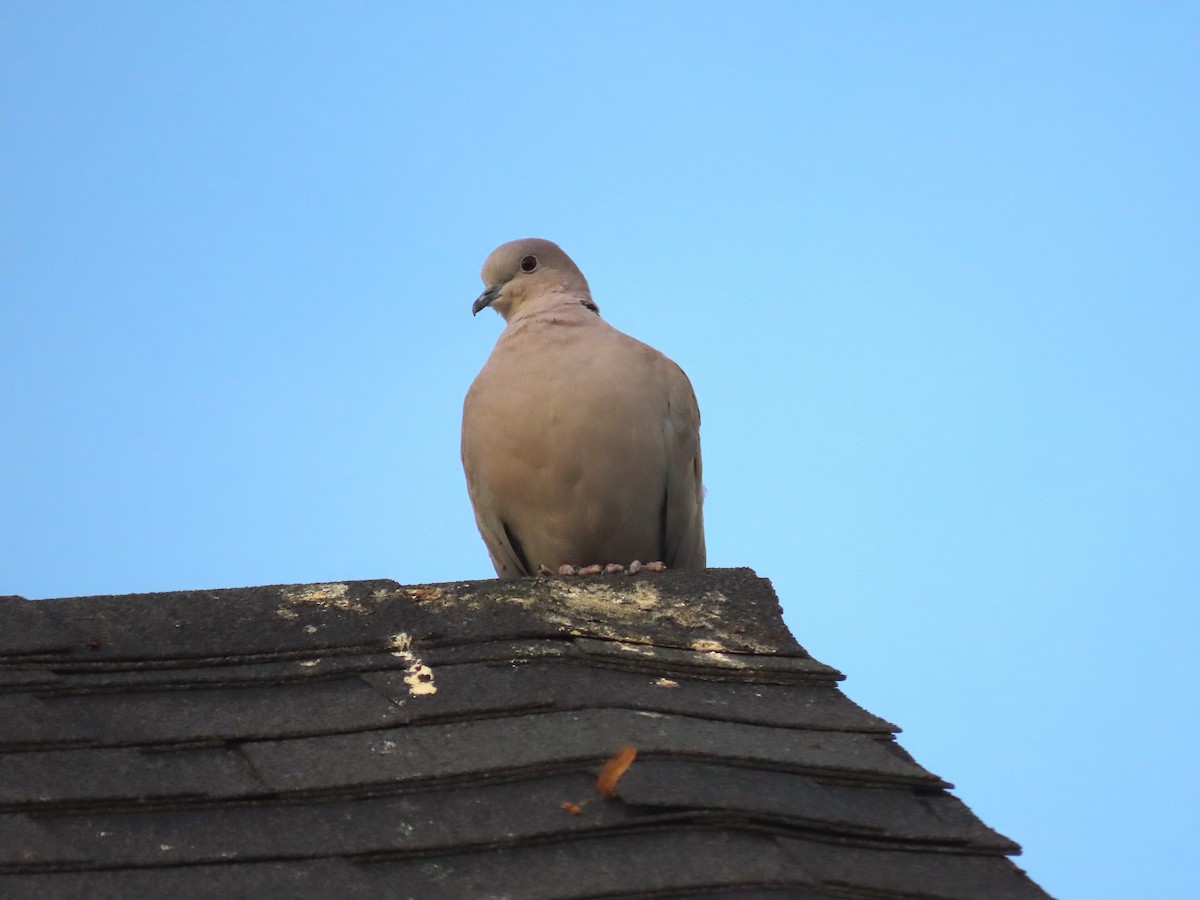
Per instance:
x=932, y=269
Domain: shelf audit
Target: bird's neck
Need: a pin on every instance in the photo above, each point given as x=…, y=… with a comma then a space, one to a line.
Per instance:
x=555, y=307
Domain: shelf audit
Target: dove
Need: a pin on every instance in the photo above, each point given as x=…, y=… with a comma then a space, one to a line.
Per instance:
x=580, y=444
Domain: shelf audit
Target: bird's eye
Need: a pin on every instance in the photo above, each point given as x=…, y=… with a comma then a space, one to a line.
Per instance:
x=528, y=264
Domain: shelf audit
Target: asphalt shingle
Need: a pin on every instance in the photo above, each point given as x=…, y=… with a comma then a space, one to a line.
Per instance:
x=369, y=739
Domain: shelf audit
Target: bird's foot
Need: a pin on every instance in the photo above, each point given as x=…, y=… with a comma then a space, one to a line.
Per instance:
x=610, y=569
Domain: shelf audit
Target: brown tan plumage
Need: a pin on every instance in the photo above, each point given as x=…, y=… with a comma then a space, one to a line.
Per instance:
x=580, y=444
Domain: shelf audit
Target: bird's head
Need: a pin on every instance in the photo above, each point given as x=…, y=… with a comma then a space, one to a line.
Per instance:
x=521, y=272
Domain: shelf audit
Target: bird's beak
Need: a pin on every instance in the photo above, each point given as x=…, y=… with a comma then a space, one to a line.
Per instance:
x=485, y=299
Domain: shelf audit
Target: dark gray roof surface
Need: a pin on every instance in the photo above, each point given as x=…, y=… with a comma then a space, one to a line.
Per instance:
x=366, y=739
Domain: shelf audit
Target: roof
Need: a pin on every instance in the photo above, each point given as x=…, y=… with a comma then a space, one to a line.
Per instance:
x=368, y=739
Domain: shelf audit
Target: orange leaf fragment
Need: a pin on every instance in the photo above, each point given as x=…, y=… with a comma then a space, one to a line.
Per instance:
x=616, y=766
x=573, y=808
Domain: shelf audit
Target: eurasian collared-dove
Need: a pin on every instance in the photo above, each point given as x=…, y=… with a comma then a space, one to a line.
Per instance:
x=581, y=445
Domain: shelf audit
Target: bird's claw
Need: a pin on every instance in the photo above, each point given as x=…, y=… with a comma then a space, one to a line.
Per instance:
x=567, y=570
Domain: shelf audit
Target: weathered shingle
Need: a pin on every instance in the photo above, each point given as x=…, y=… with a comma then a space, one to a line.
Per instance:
x=370, y=739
